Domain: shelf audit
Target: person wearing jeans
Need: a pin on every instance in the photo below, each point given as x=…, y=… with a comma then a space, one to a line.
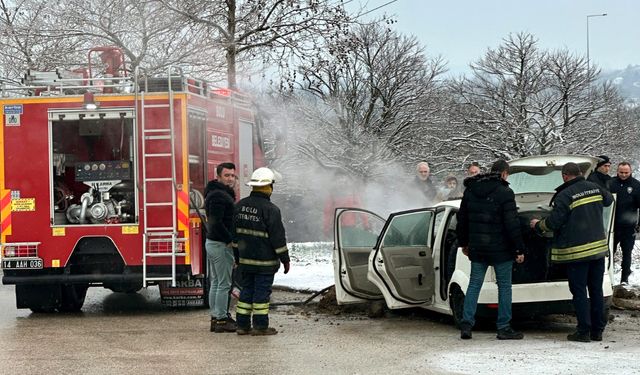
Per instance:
x=489, y=233
x=220, y=264
x=503, y=278
x=220, y=204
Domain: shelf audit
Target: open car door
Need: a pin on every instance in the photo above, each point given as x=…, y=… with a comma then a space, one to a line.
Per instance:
x=402, y=263
x=355, y=234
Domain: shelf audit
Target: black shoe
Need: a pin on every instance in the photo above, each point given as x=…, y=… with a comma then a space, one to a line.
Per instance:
x=213, y=325
x=269, y=331
x=230, y=319
x=224, y=326
x=465, y=333
x=596, y=336
x=580, y=337
x=509, y=334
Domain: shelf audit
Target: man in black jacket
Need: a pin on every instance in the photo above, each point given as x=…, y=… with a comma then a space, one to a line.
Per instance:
x=489, y=234
x=580, y=241
x=262, y=246
x=627, y=189
x=601, y=175
x=219, y=203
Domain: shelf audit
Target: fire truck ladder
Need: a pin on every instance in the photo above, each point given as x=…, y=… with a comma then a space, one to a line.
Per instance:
x=159, y=239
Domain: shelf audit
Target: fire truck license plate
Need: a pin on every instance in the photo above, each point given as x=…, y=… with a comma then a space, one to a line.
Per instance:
x=22, y=264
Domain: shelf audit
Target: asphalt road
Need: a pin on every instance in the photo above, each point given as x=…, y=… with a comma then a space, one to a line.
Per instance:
x=134, y=334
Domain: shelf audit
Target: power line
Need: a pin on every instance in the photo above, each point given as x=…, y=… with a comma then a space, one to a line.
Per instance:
x=376, y=8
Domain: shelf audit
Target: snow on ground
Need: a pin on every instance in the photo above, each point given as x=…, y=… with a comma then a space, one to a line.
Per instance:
x=312, y=268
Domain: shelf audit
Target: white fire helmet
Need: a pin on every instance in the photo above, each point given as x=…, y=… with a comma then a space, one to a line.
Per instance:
x=263, y=176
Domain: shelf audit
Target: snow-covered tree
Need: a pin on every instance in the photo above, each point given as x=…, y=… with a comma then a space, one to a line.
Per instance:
x=273, y=32
x=521, y=101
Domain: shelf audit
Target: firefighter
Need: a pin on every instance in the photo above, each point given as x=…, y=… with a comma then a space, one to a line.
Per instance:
x=261, y=247
x=580, y=241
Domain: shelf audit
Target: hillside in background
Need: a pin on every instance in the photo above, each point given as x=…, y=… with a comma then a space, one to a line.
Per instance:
x=627, y=80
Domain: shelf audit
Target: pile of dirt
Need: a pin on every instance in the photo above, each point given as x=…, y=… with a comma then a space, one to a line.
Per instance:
x=625, y=297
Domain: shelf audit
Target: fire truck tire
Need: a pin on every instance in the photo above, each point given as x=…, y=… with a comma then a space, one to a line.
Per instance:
x=73, y=297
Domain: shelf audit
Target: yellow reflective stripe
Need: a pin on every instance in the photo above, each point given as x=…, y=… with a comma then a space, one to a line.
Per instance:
x=580, y=202
x=255, y=262
x=583, y=254
x=244, y=305
x=261, y=312
x=242, y=311
x=251, y=232
x=575, y=249
x=257, y=306
x=281, y=250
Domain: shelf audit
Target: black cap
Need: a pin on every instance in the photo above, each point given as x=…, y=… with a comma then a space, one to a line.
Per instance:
x=604, y=159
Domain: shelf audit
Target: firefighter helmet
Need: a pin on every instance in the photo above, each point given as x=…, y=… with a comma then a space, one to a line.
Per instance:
x=262, y=177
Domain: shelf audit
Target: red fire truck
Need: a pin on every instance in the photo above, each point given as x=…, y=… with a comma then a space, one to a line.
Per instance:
x=101, y=180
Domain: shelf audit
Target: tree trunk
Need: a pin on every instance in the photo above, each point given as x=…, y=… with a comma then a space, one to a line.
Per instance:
x=231, y=45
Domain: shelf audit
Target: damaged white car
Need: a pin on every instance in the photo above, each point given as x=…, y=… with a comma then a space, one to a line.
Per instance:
x=412, y=259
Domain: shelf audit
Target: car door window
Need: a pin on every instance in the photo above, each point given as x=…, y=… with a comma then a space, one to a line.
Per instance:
x=410, y=229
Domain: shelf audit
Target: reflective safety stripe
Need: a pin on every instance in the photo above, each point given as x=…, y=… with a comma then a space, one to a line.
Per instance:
x=580, y=202
x=261, y=308
x=242, y=311
x=244, y=305
x=255, y=262
x=281, y=250
x=579, y=252
x=251, y=232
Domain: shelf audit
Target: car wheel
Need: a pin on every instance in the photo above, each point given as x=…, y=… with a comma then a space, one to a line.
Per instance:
x=456, y=301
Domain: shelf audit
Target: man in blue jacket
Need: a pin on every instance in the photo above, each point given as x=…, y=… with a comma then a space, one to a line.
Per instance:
x=580, y=241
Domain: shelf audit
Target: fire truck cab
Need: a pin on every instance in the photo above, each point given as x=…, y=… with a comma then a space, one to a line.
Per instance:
x=101, y=180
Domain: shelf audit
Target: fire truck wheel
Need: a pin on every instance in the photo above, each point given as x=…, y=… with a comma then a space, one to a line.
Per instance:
x=73, y=297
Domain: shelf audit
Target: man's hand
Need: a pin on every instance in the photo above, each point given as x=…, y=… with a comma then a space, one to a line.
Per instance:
x=286, y=267
x=533, y=223
x=520, y=258
x=465, y=250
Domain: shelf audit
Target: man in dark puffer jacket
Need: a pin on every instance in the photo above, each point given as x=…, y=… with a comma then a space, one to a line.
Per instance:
x=219, y=202
x=489, y=234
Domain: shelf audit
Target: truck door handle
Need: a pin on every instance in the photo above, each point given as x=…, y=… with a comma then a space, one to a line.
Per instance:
x=422, y=254
x=419, y=279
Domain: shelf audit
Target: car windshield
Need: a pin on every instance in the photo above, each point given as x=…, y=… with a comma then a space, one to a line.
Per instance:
x=543, y=181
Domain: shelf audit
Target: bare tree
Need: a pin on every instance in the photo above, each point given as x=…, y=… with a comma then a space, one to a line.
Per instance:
x=522, y=101
x=361, y=105
x=146, y=31
x=273, y=31
x=27, y=41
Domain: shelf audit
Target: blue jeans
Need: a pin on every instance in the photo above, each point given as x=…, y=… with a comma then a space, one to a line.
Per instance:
x=503, y=276
x=253, y=304
x=220, y=265
x=585, y=276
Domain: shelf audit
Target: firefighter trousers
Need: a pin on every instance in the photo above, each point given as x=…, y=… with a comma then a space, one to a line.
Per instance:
x=253, y=305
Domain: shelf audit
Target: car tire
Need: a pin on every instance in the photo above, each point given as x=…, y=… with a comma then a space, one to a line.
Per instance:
x=456, y=302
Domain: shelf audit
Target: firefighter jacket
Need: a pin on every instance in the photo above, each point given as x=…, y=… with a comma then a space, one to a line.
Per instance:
x=576, y=222
x=627, y=201
x=219, y=204
x=488, y=220
x=259, y=234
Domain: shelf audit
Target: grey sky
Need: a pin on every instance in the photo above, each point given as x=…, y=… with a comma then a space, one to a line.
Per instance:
x=462, y=30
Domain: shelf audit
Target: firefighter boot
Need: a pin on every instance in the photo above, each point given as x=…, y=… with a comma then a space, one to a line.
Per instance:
x=224, y=325
x=264, y=332
x=213, y=325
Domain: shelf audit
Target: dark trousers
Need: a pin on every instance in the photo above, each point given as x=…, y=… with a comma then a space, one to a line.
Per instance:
x=585, y=276
x=625, y=237
x=253, y=305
